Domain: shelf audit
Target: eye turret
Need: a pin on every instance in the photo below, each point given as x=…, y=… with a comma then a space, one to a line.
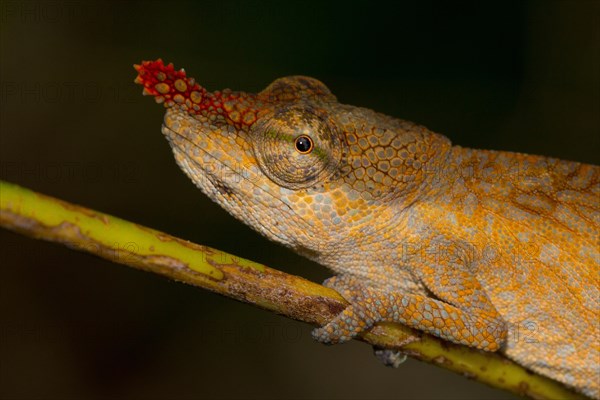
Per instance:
x=297, y=146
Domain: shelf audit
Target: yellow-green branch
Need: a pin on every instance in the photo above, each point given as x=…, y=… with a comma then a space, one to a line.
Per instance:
x=43, y=217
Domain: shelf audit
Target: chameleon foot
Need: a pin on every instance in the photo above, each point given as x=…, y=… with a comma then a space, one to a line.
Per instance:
x=478, y=326
x=358, y=317
x=389, y=358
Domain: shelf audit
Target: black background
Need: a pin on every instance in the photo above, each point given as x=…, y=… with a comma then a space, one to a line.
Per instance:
x=519, y=76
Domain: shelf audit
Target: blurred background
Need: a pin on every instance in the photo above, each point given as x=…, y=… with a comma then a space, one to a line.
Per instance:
x=504, y=75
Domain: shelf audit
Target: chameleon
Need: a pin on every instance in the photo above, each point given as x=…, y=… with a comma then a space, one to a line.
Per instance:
x=490, y=249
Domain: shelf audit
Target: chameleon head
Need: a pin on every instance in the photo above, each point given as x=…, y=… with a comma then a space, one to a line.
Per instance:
x=290, y=161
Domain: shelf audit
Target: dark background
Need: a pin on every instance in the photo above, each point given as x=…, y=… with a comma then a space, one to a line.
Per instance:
x=520, y=76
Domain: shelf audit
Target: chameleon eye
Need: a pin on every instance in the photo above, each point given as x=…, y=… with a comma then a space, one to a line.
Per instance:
x=304, y=144
x=297, y=146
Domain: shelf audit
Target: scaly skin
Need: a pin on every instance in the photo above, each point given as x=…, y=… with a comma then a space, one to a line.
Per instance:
x=494, y=250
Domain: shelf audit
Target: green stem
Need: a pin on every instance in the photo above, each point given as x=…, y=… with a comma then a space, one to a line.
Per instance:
x=43, y=217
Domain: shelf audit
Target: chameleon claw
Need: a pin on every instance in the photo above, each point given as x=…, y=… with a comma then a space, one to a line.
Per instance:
x=390, y=358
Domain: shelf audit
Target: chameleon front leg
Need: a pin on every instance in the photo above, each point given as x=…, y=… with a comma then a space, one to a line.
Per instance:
x=464, y=316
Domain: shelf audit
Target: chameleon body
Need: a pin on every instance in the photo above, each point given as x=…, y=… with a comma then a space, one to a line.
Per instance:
x=494, y=250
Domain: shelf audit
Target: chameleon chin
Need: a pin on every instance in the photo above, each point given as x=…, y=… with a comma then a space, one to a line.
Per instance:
x=493, y=250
